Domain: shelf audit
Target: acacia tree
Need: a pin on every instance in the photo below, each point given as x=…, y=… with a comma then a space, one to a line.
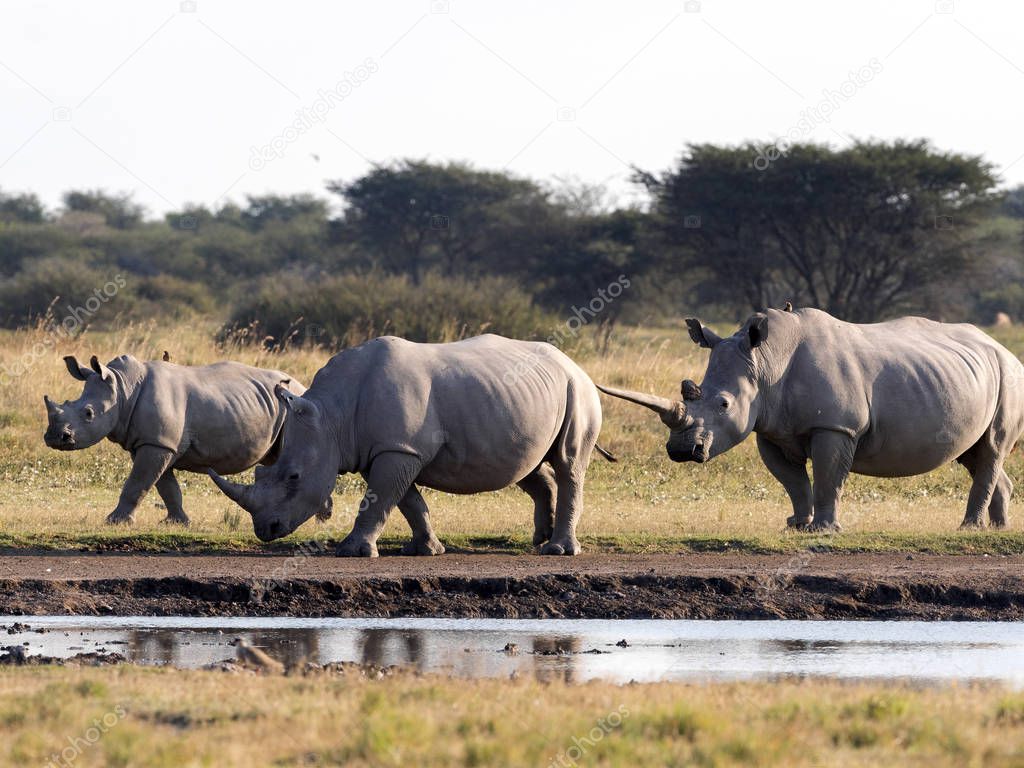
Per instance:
x=859, y=232
x=416, y=216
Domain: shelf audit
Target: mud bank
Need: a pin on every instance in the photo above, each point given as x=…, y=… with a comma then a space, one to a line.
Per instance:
x=718, y=586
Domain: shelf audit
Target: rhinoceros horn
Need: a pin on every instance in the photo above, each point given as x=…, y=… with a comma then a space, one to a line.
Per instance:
x=672, y=412
x=51, y=407
x=238, y=493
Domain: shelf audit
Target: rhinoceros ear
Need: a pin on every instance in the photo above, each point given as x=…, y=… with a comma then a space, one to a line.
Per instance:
x=701, y=334
x=76, y=370
x=291, y=401
x=100, y=368
x=757, y=329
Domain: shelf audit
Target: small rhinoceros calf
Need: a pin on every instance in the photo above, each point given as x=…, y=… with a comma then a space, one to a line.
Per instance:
x=223, y=417
x=465, y=417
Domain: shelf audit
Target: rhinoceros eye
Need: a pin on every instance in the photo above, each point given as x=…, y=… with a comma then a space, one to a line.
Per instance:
x=724, y=404
x=89, y=413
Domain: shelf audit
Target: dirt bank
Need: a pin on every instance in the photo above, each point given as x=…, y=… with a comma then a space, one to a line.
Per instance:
x=705, y=586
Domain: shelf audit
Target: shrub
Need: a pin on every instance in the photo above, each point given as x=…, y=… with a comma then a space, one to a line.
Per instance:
x=345, y=310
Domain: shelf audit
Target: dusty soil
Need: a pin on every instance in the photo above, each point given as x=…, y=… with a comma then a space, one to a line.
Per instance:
x=707, y=586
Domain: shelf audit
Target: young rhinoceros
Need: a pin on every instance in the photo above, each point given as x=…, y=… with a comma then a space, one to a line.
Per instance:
x=465, y=417
x=223, y=416
x=888, y=399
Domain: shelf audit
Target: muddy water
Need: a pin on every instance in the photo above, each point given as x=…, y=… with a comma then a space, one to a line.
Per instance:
x=574, y=650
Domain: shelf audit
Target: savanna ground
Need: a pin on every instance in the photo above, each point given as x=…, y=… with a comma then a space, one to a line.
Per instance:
x=162, y=717
x=643, y=505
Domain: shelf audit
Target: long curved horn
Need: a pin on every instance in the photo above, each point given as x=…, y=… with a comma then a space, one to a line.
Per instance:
x=238, y=493
x=672, y=412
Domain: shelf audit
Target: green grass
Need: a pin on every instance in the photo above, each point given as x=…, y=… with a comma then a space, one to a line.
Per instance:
x=164, y=717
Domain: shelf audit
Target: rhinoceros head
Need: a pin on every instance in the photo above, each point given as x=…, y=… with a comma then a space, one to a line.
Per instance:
x=87, y=420
x=718, y=414
x=298, y=484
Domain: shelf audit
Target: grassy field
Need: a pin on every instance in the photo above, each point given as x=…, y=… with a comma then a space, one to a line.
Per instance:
x=127, y=716
x=645, y=502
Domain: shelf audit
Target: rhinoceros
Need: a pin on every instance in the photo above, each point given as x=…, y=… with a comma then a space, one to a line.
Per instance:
x=888, y=399
x=464, y=417
x=168, y=416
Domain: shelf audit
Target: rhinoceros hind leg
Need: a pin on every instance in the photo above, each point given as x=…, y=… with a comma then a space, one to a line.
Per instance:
x=567, y=510
x=169, y=490
x=986, y=468
x=416, y=513
x=540, y=485
x=1000, y=504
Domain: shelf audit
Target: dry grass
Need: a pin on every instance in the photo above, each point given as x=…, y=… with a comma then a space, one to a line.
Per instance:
x=163, y=717
x=45, y=492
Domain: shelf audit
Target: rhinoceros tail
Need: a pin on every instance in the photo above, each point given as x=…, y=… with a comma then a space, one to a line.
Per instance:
x=605, y=453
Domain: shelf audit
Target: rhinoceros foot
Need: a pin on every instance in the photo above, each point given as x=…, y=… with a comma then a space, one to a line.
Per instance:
x=973, y=525
x=799, y=523
x=352, y=546
x=181, y=519
x=120, y=518
x=823, y=526
x=541, y=535
x=429, y=546
x=569, y=547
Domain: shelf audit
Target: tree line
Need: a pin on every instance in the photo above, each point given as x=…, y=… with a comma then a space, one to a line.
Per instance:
x=866, y=231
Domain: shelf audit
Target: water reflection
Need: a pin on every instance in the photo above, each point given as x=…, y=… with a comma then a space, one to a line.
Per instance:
x=571, y=651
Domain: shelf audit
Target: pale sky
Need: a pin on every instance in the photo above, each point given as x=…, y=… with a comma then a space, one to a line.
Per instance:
x=167, y=100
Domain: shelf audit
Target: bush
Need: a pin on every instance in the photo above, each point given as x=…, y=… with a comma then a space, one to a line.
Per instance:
x=61, y=287
x=346, y=310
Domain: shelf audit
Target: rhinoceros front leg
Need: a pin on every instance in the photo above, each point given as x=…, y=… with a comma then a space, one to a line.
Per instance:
x=998, y=508
x=149, y=463
x=793, y=477
x=832, y=456
x=387, y=482
x=169, y=490
x=417, y=515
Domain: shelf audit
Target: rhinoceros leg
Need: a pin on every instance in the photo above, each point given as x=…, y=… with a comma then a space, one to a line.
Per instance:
x=540, y=485
x=417, y=515
x=998, y=508
x=148, y=465
x=793, y=477
x=831, y=456
x=569, y=504
x=999, y=502
x=986, y=473
x=387, y=482
x=169, y=490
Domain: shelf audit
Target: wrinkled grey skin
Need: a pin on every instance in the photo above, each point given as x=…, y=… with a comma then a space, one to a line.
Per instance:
x=466, y=417
x=888, y=399
x=223, y=416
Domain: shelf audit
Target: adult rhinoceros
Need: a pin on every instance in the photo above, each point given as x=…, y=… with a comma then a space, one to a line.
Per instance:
x=464, y=417
x=888, y=399
x=170, y=417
